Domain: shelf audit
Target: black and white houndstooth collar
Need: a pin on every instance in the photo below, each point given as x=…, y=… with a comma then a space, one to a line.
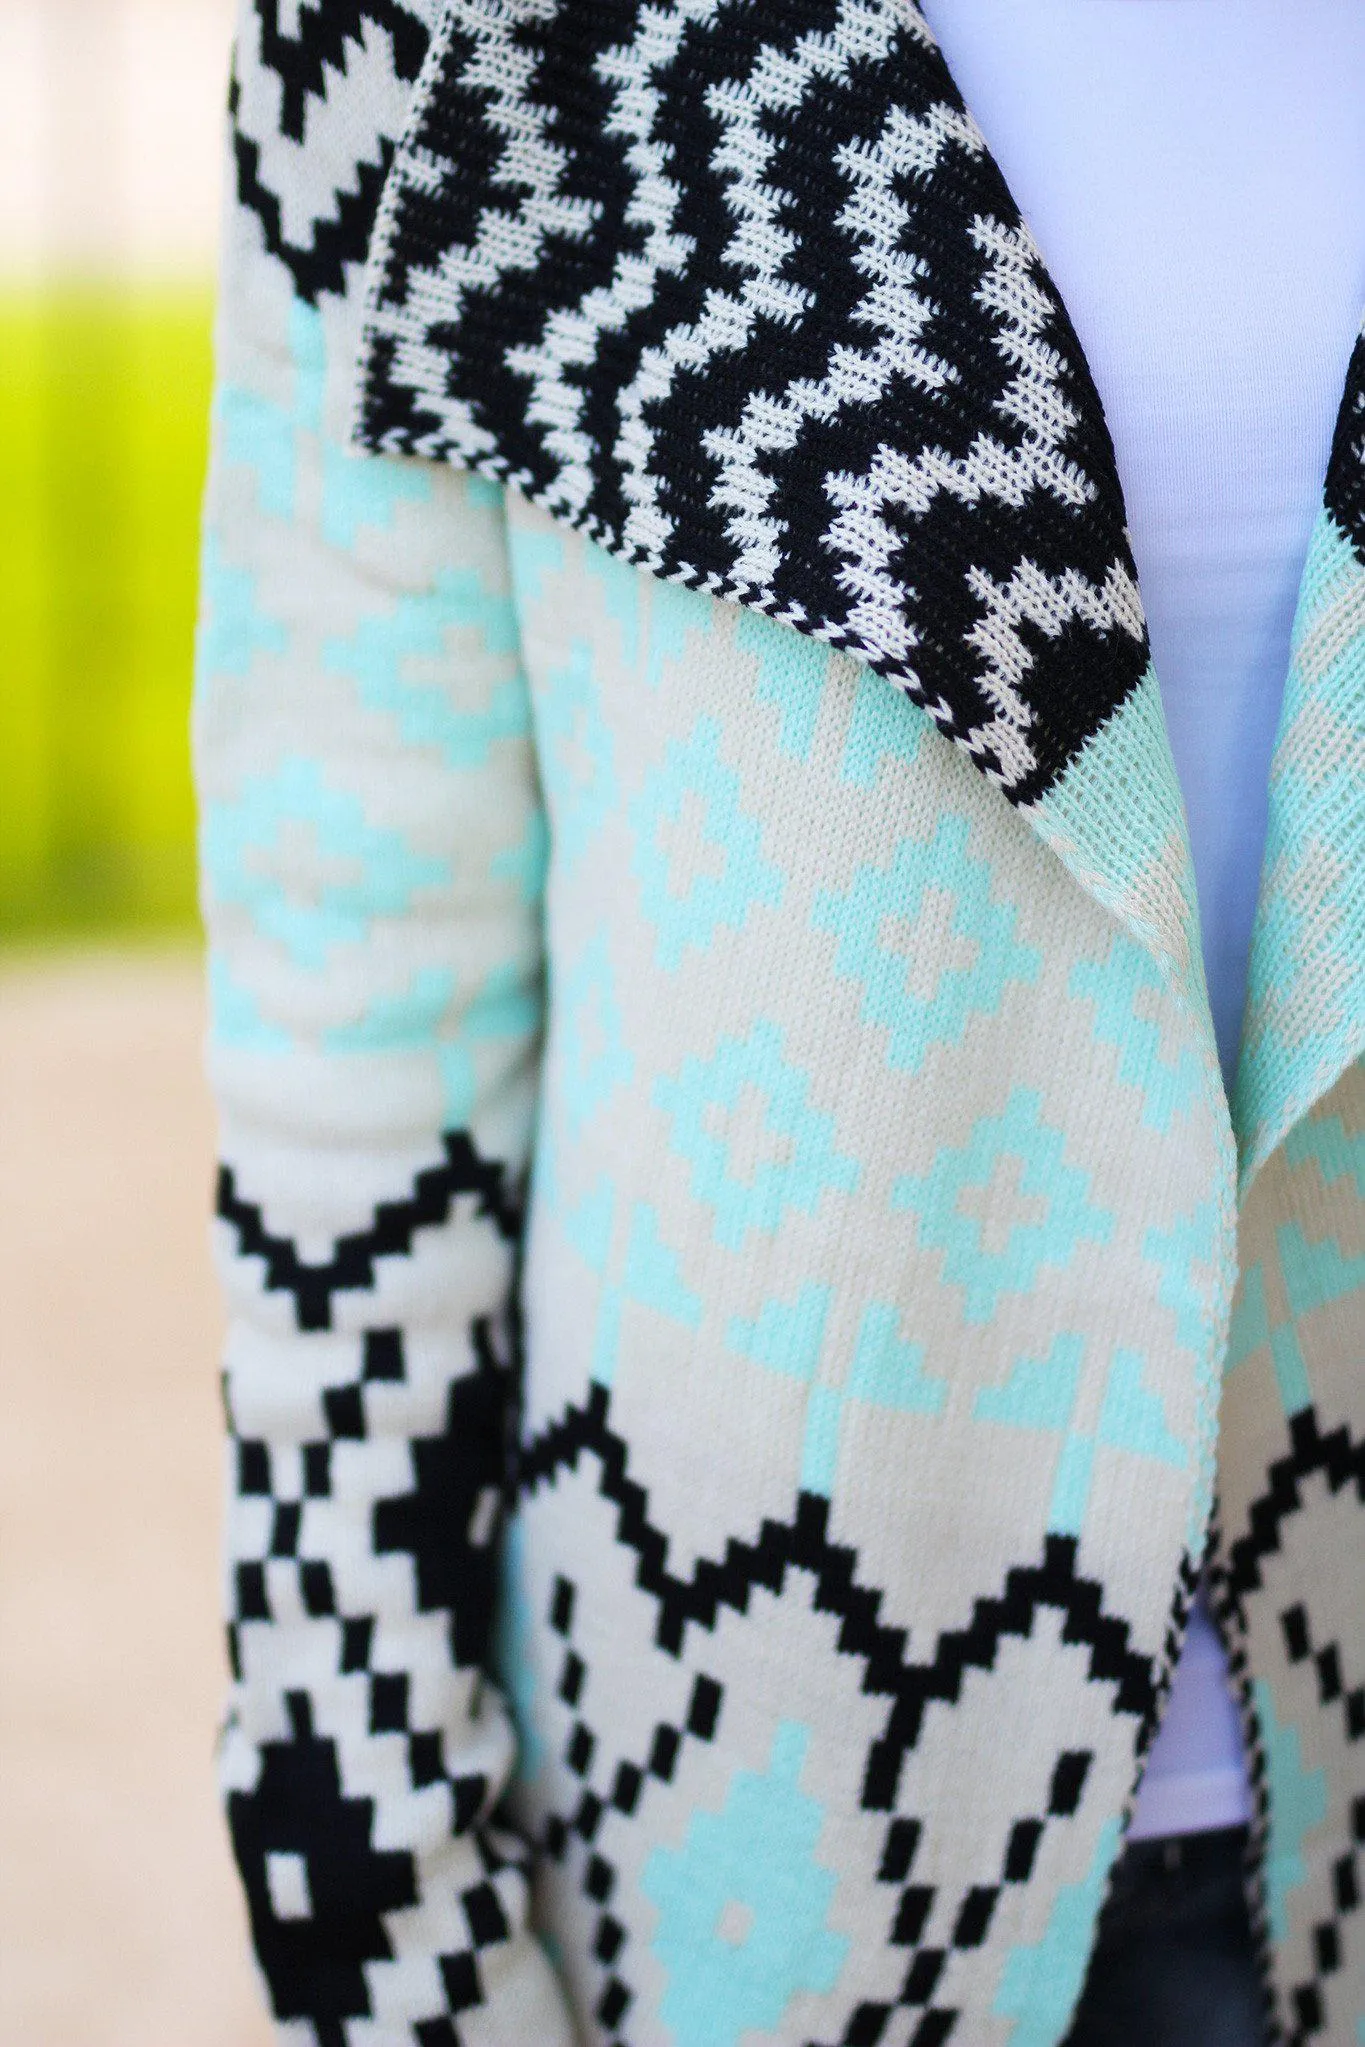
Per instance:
x=736, y=287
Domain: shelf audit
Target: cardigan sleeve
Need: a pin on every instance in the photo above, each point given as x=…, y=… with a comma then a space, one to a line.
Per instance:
x=372, y=856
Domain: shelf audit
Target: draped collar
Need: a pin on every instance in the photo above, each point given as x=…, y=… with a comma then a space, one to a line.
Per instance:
x=737, y=288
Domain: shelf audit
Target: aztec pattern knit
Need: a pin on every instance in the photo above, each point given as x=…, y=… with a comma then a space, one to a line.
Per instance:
x=728, y=1206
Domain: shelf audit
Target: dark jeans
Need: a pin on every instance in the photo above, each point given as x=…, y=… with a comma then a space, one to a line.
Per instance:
x=1174, y=1964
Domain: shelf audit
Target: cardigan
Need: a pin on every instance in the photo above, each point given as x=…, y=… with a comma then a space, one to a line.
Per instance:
x=1218, y=344
x=747, y=1301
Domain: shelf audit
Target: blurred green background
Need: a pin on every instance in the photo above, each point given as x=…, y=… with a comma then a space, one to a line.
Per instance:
x=104, y=396
x=121, y=1919
x=111, y=131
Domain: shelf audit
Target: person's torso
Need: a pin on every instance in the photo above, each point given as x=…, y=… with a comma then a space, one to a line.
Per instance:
x=1196, y=180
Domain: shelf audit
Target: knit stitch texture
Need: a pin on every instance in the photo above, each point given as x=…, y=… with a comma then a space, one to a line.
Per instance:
x=727, y=1210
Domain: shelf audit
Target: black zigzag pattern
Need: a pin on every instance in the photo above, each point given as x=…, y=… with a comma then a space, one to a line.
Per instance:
x=325, y=34
x=1307, y=1999
x=1177, y=1624
x=1336, y=1457
x=579, y=1831
x=308, y=67
x=1345, y=487
x=300, y=1807
x=1232, y=1619
x=319, y=265
x=803, y=1545
x=794, y=346
x=573, y=1835
x=445, y=1524
x=350, y=1267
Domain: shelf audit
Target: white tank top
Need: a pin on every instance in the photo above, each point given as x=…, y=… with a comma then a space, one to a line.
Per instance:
x=1194, y=172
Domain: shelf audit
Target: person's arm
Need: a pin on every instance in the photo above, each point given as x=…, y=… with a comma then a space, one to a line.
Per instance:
x=372, y=846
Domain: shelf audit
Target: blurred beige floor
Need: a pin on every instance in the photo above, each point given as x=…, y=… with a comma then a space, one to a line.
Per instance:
x=120, y=1924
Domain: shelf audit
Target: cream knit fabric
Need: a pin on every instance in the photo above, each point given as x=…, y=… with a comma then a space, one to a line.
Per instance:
x=819, y=1444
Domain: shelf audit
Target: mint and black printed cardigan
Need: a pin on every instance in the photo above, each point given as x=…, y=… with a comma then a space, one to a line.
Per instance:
x=748, y=1301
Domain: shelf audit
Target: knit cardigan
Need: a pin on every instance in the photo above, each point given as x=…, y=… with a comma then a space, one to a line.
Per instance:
x=748, y=1302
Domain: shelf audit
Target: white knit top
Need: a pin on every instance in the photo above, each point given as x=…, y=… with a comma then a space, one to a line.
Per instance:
x=1196, y=180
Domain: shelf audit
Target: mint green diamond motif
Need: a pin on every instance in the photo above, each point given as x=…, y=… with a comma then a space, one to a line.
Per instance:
x=262, y=435
x=503, y=1009
x=928, y=941
x=533, y=558
x=649, y=1272
x=1315, y=1275
x=577, y=755
x=1182, y=1252
x=1338, y=1151
x=621, y=583
x=1249, y=1328
x=258, y=434
x=361, y=872
x=236, y=1017
x=357, y=491
x=687, y=895
x=677, y=614
x=1186, y=1255
x=377, y=656
x=786, y=1336
x=1042, y=1393
x=886, y=1372
x=234, y=629
x=883, y=725
x=742, y=1907
x=366, y=490
x=594, y=1058
x=1012, y=1162
x=1123, y=990
x=744, y=1122
x=791, y=676
x=524, y=864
